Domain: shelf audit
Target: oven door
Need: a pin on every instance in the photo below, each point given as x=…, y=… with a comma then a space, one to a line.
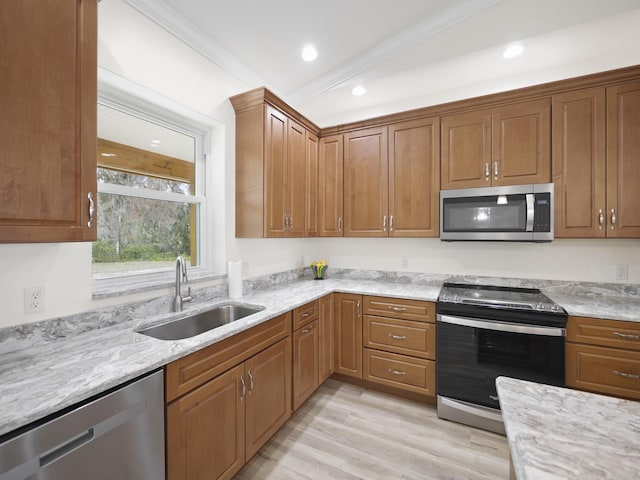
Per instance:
x=472, y=352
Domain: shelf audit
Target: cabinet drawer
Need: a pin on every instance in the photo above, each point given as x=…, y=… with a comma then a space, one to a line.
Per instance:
x=400, y=308
x=399, y=371
x=603, y=370
x=400, y=336
x=606, y=333
x=305, y=314
x=191, y=371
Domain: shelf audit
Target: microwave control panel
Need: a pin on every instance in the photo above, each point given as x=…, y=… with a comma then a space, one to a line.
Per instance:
x=542, y=213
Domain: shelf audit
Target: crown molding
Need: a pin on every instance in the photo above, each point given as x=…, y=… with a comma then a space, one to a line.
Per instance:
x=166, y=17
x=391, y=47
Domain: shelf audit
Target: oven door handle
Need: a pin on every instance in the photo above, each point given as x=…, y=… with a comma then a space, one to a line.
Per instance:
x=503, y=327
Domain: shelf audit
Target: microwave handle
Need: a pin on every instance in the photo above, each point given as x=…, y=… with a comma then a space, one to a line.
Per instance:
x=530, y=211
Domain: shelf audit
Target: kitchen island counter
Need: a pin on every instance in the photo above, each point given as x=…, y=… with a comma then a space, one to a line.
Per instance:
x=557, y=433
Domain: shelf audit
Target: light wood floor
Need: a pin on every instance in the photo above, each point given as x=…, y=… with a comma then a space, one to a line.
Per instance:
x=346, y=432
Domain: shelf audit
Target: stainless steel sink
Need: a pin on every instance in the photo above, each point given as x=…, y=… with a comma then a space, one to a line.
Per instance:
x=201, y=322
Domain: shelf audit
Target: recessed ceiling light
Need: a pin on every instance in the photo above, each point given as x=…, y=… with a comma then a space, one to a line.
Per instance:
x=309, y=53
x=513, y=50
x=358, y=90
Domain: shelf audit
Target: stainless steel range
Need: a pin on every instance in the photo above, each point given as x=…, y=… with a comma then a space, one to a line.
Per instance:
x=484, y=332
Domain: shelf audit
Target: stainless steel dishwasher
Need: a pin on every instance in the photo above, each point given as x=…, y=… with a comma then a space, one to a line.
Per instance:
x=119, y=435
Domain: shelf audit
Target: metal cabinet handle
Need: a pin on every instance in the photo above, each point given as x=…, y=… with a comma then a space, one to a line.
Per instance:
x=397, y=309
x=305, y=314
x=384, y=223
x=630, y=376
x=358, y=307
x=251, y=383
x=391, y=223
x=613, y=218
x=600, y=219
x=397, y=337
x=291, y=222
x=244, y=388
x=486, y=170
x=627, y=336
x=92, y=209
x=339, y=224
x=308, y=329
x=495, y=170
x=397, y=372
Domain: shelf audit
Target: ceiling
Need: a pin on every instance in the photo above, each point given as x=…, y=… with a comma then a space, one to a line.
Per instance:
x=406, y=53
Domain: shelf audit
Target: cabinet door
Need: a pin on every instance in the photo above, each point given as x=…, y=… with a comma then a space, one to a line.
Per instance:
x=366, y=185
x=305, y=363
x=623, y=160
x=325, y=338
x=330, y=180
x=295, y=187
x=466, y=150
x=521, y=147
x=48, y=123
x=268, y=399
x=205, y=430
x=348, y=334
x=414, y=172
x=311, y=194
x=276, y=173
x=579, y=163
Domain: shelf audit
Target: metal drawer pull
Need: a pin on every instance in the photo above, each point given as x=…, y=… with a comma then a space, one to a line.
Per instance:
x=305, y=314
x=250, y=382
x=92, y=210
x=398, y=309
x=308, y=329
x=397, y=337
x=627, y=336
x=626, y=375
x=397, y=372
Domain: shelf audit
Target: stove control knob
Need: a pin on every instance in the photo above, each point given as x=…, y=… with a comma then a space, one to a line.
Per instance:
x=444, y=298
x=456, y=299
x=540, y=306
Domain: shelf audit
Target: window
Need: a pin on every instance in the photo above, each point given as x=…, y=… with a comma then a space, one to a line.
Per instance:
x=150, y=198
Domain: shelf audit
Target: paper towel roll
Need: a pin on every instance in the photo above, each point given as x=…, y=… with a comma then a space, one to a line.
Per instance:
x=234, y=279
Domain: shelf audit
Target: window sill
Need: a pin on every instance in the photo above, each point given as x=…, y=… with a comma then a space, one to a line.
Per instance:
x=129, y=285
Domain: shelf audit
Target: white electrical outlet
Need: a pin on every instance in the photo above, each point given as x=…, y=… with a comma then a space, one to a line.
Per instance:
x=33, y=299
x=622, y=272
x=404, y=262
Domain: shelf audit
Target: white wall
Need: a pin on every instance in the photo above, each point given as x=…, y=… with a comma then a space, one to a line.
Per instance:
x=133, y=48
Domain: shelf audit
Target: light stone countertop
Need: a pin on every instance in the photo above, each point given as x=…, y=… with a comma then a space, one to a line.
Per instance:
x=45, y=372
x=43, y=378
x=557, y=433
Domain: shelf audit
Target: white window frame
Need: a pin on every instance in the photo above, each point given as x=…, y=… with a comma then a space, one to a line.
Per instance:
x=132, y=281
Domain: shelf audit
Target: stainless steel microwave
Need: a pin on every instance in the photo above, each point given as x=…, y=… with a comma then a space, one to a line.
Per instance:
x=518, y=213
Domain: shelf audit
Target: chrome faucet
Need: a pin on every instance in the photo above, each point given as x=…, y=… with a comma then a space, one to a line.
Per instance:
x=181, y=274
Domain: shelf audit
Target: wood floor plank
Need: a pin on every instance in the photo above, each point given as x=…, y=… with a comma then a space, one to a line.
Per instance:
x=345, y=432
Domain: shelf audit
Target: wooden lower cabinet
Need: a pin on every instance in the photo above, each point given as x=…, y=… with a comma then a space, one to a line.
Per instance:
x=348, y=334
x=268, y=397
x=325, y=338
x=305, y=363
x=603, y=356
x=205, y=430
x=399, y=339
x=215, y=428
x=400, y=371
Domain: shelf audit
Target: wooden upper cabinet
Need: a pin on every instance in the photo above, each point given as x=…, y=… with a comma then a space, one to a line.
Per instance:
x=521, y=145
x=508, y=145
x=330, y=183
x=276, y=155
x=414, y=172
x=623, y=160
x=295, y=188
x=366, y=190
x=579, y=163
x=276, y=173
x=311, y=181
x=466, y=150
x=48, y=59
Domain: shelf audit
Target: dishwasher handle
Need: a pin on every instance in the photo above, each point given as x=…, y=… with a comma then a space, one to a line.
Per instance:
x=66, y=447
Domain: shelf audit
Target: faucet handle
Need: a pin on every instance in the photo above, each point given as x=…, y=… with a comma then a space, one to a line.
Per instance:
x=188, y=298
